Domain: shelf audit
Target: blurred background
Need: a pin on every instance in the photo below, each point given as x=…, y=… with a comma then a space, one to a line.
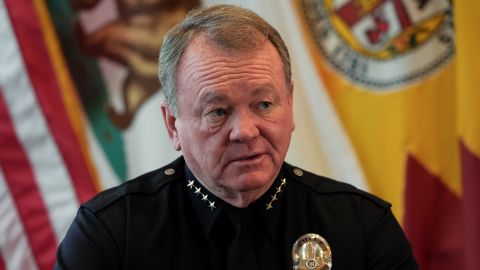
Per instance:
x=384, y=99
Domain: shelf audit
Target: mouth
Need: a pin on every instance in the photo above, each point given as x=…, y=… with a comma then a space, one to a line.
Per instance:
x=248, y=158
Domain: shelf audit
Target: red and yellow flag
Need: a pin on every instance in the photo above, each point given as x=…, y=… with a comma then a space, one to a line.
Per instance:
x=468, y=123
x=402, y=79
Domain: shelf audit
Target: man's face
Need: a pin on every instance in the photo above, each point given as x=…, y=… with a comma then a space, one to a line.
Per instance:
x=235, y=121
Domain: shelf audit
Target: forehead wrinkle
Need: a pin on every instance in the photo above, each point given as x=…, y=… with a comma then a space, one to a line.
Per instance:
x=198, y=62
x=210, y=76
x=220, y=82
x=220, y=77
x=211, y=64
x=234, y=71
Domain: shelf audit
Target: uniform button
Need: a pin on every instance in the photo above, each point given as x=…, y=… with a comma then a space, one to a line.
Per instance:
x=169, y=171
x=297, y=172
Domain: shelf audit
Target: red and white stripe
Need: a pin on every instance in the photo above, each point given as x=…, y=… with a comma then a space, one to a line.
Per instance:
x=14, y=246
x=29, y=125
x=24, y=189
x=40, y=183
x=35, y=46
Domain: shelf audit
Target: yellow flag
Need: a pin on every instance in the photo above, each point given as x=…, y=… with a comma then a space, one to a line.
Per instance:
x=468, y=99
x=389, y=68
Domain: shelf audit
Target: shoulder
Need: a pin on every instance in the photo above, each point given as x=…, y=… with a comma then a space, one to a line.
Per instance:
x=325, y=187
x=147, y=184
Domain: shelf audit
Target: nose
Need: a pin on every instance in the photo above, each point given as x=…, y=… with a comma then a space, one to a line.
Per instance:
x=244, y=127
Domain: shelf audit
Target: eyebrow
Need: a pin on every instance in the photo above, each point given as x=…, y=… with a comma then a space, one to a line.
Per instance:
x=211, y=97
x=265, y=89
x=262, y=89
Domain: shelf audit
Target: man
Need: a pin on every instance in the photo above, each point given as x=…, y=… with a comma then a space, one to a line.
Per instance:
x=231, y=202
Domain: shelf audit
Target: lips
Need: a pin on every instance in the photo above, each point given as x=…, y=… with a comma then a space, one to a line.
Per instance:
x=247, y=158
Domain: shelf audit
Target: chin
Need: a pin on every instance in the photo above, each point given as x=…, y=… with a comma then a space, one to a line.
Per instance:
x=252, y=181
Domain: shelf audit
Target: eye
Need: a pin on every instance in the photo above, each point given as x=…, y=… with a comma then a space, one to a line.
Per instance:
x=215, y=116
x=265, y=105
x=217, y=112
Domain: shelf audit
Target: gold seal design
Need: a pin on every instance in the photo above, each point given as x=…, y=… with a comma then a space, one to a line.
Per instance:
x=311, y=252
x=382, y=45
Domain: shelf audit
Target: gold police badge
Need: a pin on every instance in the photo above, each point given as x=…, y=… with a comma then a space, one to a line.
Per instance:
x=311, y=252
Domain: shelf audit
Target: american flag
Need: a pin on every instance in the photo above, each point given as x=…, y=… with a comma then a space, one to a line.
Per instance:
x=45, y=167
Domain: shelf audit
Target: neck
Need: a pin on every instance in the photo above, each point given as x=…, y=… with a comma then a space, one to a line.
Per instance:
x=239, y=199
x=243, y=199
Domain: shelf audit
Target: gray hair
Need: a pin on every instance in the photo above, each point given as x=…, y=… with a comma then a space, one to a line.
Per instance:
x=227, y=27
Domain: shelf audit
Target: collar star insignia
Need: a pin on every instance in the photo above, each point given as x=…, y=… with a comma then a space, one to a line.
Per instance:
x=269, y=205
x=211, y=205
x=277, y=192
x=198, y=191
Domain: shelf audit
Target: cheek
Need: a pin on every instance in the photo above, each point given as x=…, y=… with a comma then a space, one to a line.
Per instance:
x=282, y=140
x=279, y=135
x=206, y=148
x=188, y=140
x=213, y=147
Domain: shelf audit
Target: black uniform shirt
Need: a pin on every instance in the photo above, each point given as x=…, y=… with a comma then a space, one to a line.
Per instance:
x=167, y=220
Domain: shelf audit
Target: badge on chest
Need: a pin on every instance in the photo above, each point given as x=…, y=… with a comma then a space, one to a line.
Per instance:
x=311, y=252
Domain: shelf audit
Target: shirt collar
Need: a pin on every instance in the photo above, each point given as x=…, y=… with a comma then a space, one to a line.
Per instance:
x=208, y=207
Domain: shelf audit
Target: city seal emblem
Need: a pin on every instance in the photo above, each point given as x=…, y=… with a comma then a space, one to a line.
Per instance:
x=311, y=252
x=382, y=44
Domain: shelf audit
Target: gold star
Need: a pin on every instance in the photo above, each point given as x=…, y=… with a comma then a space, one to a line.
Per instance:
x=269, y=205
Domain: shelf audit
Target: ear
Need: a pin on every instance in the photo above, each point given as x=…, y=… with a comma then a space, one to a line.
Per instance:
x=170, y=120
x=290, y=103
